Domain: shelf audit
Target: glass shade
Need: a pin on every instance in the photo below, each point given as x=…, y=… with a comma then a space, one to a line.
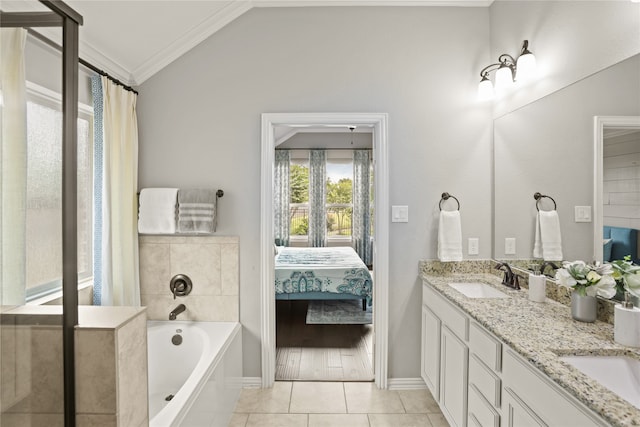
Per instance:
x=485, y=90
x=504, y=78
x=525, y=68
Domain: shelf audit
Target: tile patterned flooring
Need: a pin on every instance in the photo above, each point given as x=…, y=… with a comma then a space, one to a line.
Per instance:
x=335, y=404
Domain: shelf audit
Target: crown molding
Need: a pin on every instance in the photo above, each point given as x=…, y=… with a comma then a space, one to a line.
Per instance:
x=189, y=40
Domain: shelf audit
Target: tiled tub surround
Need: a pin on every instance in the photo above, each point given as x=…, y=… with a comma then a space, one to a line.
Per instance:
x=111, y=354
x=212, y=263
x=539, y=332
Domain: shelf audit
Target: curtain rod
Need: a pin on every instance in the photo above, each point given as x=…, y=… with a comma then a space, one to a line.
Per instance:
x=88, y=65
x=325, y=149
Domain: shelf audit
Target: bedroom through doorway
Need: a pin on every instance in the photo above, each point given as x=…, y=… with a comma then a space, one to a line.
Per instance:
x=324, y=200
x=291, y=319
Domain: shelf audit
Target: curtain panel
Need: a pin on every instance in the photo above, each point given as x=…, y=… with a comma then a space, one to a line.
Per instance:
x=317, y=198
x=361, y=219
x=120, y=284
x=13, y=164
x=281, y=197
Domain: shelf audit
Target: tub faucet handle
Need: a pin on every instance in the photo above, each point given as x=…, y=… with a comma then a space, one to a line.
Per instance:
x=180, y=285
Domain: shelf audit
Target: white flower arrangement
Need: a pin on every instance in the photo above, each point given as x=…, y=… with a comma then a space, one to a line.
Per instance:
x=589, y=280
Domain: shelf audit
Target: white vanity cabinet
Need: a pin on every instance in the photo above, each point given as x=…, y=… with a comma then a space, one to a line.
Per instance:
x=479, y=381
x=445, y=356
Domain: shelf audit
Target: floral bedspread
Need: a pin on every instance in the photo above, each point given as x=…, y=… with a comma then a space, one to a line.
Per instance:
x=336, y=270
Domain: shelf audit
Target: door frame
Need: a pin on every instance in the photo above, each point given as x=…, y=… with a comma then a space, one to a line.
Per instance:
x=378, y=121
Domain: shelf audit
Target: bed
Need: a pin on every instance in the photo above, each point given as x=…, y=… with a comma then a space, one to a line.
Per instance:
x=321, y=274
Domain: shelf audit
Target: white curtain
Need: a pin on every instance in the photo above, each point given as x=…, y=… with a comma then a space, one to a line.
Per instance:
x=120, y=267
x=361, y=222
x=13, y=175
x=317, y=198
x=281, y=197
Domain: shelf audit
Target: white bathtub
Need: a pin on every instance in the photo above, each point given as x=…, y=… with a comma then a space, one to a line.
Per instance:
x=203, y=373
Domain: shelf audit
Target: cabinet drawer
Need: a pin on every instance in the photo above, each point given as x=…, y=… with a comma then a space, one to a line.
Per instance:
x=486, y=382
x=480, y=412
x=487, y=348
x=449, y=315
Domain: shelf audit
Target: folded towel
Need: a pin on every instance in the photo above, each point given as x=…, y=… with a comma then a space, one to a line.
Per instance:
x=449, y=236
x=197, y=211
x=548, y=242
x=157, y=211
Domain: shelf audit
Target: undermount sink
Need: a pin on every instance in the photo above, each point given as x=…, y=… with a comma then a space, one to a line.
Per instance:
x=620, y=374
x=477, y=290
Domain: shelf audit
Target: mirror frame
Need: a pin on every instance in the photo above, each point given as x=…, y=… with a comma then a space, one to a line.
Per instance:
x=599, y=124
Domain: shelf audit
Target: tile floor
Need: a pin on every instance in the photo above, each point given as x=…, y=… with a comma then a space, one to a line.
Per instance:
x=335, y=404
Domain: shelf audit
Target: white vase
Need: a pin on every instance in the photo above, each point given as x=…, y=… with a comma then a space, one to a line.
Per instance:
x=584, y=308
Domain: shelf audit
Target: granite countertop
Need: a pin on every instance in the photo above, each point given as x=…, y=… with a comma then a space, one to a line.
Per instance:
x=541, y=333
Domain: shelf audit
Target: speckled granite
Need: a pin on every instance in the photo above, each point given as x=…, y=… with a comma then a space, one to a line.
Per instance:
x=550, y=332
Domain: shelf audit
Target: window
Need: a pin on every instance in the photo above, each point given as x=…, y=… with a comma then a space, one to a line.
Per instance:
x=44, y=192
x=299, y=191
x=339, y=196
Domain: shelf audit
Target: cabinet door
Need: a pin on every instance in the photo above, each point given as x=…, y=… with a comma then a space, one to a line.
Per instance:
x=454, y=362
x=430, y=363
x=516, y=413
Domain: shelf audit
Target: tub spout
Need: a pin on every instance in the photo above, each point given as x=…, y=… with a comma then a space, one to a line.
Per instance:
x=174, y=313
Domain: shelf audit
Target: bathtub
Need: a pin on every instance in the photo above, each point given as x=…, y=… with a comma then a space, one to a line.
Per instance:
x=195, y=372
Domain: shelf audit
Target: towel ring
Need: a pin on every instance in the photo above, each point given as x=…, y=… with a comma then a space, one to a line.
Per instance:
x=446, y=196
x=539, y=196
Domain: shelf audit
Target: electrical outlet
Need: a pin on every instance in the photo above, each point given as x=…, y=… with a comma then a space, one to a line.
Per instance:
x=510, y=246
x=474, y=244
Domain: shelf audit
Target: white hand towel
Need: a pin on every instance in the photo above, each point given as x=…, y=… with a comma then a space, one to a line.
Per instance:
x=157, y=211
x=548, y=242
x=449, y=236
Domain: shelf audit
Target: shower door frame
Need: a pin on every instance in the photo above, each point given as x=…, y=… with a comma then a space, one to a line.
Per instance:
x=68, y=20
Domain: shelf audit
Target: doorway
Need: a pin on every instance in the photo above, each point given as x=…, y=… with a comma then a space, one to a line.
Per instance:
x=378, y=123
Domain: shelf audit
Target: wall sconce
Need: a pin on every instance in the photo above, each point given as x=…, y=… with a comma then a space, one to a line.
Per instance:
x=508, y=70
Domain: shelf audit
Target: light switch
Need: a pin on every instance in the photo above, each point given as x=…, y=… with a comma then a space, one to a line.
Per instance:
x=582, y=213
x=399, y=213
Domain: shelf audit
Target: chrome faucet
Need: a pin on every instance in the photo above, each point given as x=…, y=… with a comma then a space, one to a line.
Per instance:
x=510, y=278
x=174, y=313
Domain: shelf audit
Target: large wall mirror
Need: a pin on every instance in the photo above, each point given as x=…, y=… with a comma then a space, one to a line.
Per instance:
x=548, y=147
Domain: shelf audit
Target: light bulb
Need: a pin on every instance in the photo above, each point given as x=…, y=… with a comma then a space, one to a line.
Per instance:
x=526, y=67
x=485, y=89
x=504, y=78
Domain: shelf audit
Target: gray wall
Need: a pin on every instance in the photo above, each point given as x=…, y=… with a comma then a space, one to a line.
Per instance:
x=199, y=122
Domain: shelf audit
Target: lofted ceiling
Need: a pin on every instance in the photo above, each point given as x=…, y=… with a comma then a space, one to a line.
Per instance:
x=133, y=40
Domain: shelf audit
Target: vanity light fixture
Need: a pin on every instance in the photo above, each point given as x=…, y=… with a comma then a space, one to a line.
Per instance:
x=508, y=70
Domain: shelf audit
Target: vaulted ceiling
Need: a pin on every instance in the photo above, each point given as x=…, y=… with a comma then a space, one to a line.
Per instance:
x=133, y=40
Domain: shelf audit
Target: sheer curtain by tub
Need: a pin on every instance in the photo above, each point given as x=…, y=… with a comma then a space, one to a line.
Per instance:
x=317, y=198
x=13, y=174
x=120, y=283
x=281, y=198
x=361, y=218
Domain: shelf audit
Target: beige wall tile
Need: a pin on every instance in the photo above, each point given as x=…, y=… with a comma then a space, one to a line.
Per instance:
x=155, y=271
x=46, y=370
x=132, y=372
x=93, y=420
x=230, y=269
x=8, y=366
x=201, y=262
x=199, y=308
x=32, y=420
x=95, y=371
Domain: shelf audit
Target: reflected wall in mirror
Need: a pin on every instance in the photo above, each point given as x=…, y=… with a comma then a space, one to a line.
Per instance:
x=547, y=147
x=616, y=187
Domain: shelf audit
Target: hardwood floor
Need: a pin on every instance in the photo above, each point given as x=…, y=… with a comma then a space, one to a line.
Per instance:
x=320, y=352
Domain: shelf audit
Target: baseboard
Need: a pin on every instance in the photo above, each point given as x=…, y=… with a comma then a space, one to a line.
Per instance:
x=251, y=382
x=406, y=384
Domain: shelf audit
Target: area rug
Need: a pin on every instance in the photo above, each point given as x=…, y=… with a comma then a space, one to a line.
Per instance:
x=338, y=312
